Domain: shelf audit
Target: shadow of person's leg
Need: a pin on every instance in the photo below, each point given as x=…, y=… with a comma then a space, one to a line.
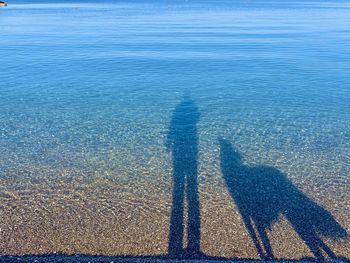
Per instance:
x=193, y=214
x=177, y=215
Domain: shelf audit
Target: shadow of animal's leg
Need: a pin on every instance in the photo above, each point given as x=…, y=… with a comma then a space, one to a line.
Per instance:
x=266, y=242
x=326, y=249
x=177, y=216
x=251, y=231
x=313, y=242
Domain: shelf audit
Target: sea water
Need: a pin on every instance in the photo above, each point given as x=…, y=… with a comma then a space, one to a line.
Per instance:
x=118, y=117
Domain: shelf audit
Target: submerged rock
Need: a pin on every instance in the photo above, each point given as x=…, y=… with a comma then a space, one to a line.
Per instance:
x=3, y=3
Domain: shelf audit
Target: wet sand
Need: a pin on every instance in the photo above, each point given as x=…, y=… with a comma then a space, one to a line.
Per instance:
x=71, y=214
x=92, y=259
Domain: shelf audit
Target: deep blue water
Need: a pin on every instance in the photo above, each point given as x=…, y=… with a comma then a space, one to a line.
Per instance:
x=89, y=90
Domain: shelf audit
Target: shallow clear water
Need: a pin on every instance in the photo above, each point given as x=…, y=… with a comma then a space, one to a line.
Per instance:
x=93, y=94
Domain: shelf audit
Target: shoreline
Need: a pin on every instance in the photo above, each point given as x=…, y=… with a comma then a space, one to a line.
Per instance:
x=146, y=259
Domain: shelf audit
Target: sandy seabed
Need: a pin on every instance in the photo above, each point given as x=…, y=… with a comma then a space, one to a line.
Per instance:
x=70, y=214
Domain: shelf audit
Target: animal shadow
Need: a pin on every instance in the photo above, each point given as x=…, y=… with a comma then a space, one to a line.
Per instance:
x=263, y=194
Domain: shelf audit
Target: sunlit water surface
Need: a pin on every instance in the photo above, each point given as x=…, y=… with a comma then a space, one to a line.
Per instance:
x=89, y=93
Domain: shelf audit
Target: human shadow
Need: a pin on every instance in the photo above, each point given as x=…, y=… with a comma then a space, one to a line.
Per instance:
x=182, y=142
x=263, y=194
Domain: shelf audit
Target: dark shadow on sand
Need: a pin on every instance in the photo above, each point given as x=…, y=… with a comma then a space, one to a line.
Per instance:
x=182, y=142
x=82, y=258
x=263, y=194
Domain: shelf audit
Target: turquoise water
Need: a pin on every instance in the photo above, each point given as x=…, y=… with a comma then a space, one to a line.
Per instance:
x=89, y=96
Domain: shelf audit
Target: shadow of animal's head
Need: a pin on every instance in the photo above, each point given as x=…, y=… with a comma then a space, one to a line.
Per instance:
x=229, y=153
